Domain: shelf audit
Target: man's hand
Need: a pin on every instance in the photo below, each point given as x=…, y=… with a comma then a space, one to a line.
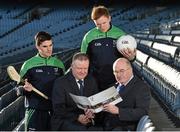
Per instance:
x=83, y=119
x=128, y=53
x=89, y=113
x=111, y=108
x=28, y=87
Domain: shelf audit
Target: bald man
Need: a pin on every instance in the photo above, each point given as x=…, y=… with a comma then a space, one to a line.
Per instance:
x=136, y=99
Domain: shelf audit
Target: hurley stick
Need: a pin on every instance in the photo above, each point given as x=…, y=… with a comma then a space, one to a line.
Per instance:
x=13, y=74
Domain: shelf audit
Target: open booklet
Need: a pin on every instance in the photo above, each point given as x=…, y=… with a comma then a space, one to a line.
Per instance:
x=96, y=102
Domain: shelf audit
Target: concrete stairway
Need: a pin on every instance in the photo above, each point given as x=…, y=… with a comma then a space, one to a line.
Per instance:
x=160, y=118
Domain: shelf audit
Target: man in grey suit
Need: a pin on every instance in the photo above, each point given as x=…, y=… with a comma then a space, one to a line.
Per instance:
x=136, y=99
x=67, y=116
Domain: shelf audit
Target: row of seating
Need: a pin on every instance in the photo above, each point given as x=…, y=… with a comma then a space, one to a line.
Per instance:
x=12, y=10
x=171, y=32
x=4, y=89
x=173, y=40
x=163, y=78
x=7, y=98
x=54, y=19
x=162, y=51
x=11, y=115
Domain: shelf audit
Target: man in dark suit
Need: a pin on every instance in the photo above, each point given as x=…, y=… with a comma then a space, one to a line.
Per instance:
x=67, y=116
x=136, y=99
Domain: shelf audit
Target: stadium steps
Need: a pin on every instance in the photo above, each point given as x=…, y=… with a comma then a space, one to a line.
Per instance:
x=159, y=117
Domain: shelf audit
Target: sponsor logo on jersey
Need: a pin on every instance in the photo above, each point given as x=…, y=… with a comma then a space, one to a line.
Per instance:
x=39, y=70
x=55, y=70
x=97, y=44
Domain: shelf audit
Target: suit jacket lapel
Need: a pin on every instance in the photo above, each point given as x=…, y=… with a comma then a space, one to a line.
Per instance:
x=72, y=82
x=128, y=86
x=86, y=87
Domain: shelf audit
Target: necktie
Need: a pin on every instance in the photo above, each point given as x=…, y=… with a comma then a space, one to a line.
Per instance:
x=121, y=89
x=81, y=86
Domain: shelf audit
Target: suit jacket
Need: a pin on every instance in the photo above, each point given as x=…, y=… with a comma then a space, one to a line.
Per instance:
x=63, y=105
x=135, y=104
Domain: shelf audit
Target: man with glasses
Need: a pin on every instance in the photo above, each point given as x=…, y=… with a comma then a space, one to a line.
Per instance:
x=136, y=99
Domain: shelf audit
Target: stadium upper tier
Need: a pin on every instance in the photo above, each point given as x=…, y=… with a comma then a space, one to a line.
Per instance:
x=68, y=24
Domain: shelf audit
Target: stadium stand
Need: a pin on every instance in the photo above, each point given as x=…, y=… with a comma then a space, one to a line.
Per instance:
x=9, y=102
x=157, y=61
x=166, y=85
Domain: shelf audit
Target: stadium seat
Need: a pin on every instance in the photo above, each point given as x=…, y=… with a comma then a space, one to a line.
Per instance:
x=7, y=98
x=142, y=122
x=145, y=124
x=149, y=129
x=20, y=126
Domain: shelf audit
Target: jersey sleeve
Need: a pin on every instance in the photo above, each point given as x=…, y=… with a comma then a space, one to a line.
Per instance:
x=23, y=70
x=84, y=44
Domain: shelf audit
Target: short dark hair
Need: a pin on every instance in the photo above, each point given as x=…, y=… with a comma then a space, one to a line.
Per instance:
x=80, y=56
x=41, y=37
x=99, y=11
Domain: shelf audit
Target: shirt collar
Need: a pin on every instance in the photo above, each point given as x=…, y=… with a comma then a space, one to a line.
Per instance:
x=79, y=79
x=42, y=57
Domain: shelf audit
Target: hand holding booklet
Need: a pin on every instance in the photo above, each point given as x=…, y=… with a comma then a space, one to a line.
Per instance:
x=96, y=102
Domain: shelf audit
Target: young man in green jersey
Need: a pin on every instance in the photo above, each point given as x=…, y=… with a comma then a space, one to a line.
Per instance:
x=40, y=72
x=100, y=44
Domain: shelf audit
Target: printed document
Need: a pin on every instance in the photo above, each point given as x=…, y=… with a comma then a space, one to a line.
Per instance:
x=96, y=102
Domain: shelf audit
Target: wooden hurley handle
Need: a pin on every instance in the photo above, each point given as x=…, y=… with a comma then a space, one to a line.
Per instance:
x=40, y=93
x=37, y=91
x=13, y=74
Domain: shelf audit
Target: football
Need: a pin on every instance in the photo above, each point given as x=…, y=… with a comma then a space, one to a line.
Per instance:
x=126, y=41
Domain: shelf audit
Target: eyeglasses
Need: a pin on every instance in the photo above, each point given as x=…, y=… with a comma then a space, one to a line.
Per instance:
x=122, y=71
